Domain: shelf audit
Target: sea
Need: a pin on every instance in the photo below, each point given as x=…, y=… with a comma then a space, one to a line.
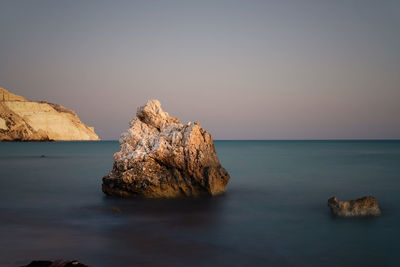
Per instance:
x=274, y=211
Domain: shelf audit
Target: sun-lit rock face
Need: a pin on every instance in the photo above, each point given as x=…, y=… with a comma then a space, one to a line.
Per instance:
x=161, y=158
x=362, y=207
x=24, y=120
x=5, y=95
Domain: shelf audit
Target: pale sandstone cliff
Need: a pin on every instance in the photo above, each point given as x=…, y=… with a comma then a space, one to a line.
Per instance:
x=162, y=158
x=24, y=120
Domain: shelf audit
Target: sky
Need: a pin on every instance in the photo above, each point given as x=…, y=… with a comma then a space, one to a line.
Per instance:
x=243, y=69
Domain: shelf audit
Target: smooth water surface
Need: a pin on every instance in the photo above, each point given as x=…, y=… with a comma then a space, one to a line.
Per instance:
x=274, y=212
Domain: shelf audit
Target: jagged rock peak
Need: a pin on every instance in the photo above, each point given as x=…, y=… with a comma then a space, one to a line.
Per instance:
x=152, y=114
x=160, y=157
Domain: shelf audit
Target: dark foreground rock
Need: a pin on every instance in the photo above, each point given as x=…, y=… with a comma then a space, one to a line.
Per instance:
x=56, y=263
x=362, y=207
x=161, y=158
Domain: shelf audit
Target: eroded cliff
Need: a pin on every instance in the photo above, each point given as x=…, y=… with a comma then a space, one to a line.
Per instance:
x=24, y=120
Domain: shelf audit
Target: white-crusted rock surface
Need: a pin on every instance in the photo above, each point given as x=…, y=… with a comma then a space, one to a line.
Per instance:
x=161, y=158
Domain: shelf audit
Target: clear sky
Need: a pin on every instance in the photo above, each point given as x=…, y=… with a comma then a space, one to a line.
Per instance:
x=243, y=69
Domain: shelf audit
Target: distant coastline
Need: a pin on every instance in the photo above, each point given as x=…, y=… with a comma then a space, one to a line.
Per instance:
x=22, y=120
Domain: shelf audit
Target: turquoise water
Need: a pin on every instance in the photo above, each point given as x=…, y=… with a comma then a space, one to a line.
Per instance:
x=273, y=214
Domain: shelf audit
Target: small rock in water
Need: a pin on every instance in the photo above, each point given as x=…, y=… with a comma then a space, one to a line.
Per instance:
x=161, y=158
x=42, y=156
x=39, y=264
x=56, y=263
x=362, y=207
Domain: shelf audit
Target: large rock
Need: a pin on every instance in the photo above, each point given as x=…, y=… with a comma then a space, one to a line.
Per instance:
x=362, y=207
x=24, y=120
x=161, y=158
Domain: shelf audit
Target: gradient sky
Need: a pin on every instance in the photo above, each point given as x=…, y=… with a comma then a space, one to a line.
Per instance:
x=243, y=69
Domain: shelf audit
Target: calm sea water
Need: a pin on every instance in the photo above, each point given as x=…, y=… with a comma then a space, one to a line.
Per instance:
x=274, y=212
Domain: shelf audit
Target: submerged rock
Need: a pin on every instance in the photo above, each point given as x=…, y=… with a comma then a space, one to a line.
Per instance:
x=24, y=120
x=161, y=158
x=362, y=207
